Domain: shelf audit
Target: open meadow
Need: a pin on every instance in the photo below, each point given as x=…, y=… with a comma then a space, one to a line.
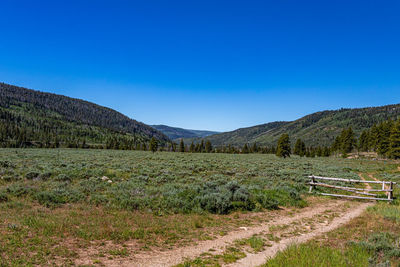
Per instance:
x=105, y=207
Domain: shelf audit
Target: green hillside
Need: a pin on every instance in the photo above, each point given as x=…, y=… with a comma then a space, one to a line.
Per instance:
x=33, y=118
x=316, y=129
x=175, y=133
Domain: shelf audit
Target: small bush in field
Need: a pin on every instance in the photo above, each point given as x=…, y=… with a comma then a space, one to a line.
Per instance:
x=32, y=175
x=98, y=199
x=50, y=198
x=58, y=196
x=3, y=197
x=6, y=164
x=18, y=190
x=63, y=177
x=383, y=246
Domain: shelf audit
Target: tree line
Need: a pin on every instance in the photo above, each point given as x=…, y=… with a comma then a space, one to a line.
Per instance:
x=382, y=138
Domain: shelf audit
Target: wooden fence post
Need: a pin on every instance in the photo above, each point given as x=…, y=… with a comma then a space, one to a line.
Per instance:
x=390, y=195
x=312, y=186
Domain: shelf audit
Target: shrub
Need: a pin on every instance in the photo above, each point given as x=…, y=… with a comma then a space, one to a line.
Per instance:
x=9, y=178
x=18, y=190
x=218, y=202
x=6, y=164
x=50, y=198
x=3, y=197
x=45, y=176
x=63, y=177
x=266, y=199
x=91, y=185
x=32, y=175
x=98, y=199
x=383, y=245
x=58, y=196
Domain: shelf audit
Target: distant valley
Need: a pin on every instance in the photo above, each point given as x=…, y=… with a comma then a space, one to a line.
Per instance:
x=175, y=133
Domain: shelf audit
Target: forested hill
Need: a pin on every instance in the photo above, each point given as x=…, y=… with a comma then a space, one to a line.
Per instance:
x=317, y=129
x=175, y=133
x=37, y=117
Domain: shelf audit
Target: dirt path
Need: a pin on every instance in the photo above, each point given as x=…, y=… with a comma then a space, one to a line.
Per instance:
x=368, y=186
x=321, y=228
x=287, y=228
x=370, y=175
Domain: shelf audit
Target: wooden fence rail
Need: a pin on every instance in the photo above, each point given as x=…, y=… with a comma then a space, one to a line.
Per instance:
x=361, y=191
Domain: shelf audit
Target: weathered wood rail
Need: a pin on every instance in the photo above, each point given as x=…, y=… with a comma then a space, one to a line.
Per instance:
x=361, y=191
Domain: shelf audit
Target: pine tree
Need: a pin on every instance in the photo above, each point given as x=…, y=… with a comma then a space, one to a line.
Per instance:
x=56, y=142
x=312, y=152
x=308, y=154
x=197, y=148
x=283, y=147
x=319, y=152
x=327, y=152
x=337, y=143
x=173, y=146
x=181, y=146
x=394, y=150
x=299, y=148
x=245, y=149
x=202, y=147
x=384, y=137
x=192, y=148
x=144, y=146
x=373, y=138
x=254, y=148
x=348, y=140
x=153, y=144
x=363, y=141
x=208, y=147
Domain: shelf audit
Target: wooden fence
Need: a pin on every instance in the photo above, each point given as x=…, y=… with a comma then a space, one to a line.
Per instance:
x=388, y=190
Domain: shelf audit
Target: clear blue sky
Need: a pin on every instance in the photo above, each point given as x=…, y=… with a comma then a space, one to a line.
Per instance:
x=216, y=65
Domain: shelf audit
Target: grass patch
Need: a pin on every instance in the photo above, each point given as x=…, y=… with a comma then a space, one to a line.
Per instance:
x=387, y=210
x=255, y=242
x=306, y=255
x=231, y=255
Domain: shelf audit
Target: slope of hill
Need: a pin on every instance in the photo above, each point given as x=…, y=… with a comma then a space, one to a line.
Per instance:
x=30, y=116
x=175, y=133
x=319, y=128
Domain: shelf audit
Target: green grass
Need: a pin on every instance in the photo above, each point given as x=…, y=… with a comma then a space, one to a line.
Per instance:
x=231, y=255
x=390, y=212
x=314, y=255
x=255, y=242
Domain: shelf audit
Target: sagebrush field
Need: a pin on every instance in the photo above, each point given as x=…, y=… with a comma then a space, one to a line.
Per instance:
x=54, y=202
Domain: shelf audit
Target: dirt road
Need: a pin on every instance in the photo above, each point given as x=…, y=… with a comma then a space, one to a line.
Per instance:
x=285, y=229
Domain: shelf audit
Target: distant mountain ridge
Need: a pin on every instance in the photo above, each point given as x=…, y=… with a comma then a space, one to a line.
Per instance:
x=175, y=133
x=40, y=115
x=316, y=129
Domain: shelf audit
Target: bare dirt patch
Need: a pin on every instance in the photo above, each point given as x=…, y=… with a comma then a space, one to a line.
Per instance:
x=320, y=228
x=368, y=186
